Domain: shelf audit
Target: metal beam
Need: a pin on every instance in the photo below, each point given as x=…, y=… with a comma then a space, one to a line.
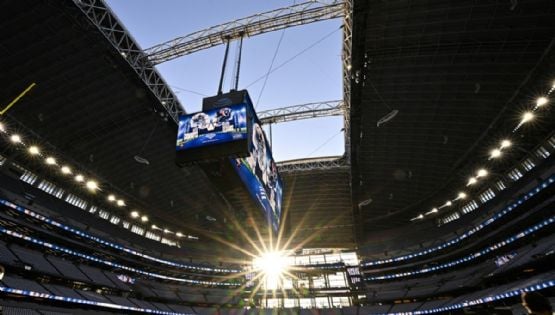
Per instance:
x=304, y=111
x=100, y=15
x=345, y=161
x=299, y=14
x=313, y=164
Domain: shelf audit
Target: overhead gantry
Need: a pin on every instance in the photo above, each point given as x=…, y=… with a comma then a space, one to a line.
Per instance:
x=295, y=15
x=144, y=61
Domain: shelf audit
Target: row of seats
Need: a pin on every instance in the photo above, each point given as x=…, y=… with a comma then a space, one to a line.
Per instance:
x=59, y=290
x=100, y=240
x=54, y=266
x=479, y=227
x=457, y=279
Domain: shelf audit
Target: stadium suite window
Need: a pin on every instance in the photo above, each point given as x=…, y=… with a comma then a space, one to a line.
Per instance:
x=290, y=303
x=272, y=303
x=305, y=303
x=322, y=302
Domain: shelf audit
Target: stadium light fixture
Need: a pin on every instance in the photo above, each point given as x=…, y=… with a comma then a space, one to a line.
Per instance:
x=495, y=153
x=449, y=203
x=144, y=218
x=120, y=203
x=79, y=178
x=472, y=181
x=2, y=127
x=34, y=150
x=481, y=173
x=526, y=117
x=66, y=170
x=111, y=198
x=434, y=210
x=92, y=185
x=15, y=138
x=505, y=143
x=179, y=234
x=461, y=195
x=50, y=160
x=135, y=214
x=541, y=101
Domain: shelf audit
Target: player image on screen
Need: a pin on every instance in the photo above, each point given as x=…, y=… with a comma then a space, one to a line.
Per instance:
x=215, y=126
x=263, y=165
x=199, y=122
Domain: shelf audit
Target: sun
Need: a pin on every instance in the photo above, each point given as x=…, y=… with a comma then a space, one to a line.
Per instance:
x=272, y=266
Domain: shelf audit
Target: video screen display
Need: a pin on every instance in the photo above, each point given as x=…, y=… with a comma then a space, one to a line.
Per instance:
x=260, y=175
x=211, y=127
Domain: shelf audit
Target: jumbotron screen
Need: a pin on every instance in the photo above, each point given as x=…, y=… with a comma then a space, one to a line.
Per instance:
x=212, y=127
x=260, y=175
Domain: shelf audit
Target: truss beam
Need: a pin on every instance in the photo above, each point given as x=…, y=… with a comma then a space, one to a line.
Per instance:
x=304, y=111
x=108, y=24
x=316, y=164
x=299, y=14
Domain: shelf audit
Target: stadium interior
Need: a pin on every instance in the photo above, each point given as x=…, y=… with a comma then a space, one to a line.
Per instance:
x=443, y=202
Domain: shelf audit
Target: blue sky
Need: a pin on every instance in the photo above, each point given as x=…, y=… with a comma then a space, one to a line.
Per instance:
x=313, y=76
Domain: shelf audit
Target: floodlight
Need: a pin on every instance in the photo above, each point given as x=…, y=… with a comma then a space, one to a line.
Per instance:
x=495, y=153
x=144, y=218
x=526, y=117
x=34, y=150
x=92, y=185
x=472, y=181
x=481, y=173
x=79, y=178
x=505, y=144
x=66, y=170
x=541, y=101
x=15, y=138
x=135, y=214
x=50, y=160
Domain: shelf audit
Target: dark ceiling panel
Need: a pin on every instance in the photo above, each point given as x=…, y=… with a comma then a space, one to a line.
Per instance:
x=450, y=68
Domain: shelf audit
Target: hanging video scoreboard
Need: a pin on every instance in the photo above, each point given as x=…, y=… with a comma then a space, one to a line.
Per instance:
x=229, y=129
